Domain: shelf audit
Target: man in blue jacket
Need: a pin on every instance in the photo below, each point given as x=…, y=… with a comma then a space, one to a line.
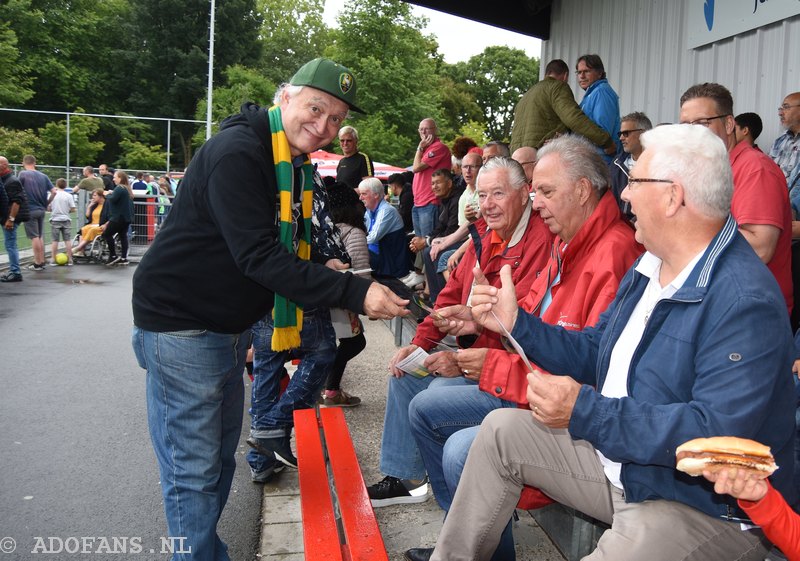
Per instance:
x=695, y=344
x=600, y=102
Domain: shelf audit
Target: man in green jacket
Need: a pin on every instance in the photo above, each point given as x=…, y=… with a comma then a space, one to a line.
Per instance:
x=549, y=109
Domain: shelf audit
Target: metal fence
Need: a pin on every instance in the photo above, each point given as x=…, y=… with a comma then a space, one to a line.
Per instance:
x=149, y=213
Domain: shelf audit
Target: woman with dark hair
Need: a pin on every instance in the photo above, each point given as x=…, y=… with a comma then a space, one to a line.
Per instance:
x=347, y=211
x=120, y=215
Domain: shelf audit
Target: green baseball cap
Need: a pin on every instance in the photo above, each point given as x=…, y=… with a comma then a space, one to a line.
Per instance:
x=330, y=77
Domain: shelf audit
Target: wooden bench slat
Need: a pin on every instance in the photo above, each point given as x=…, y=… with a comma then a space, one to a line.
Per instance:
x=320, y=534
x=358, y=519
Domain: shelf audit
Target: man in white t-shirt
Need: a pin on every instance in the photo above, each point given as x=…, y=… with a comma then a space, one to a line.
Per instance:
x=696, y=343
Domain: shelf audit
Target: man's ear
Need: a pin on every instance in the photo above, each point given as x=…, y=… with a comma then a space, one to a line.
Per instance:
x=677, y=199
x=585, y=190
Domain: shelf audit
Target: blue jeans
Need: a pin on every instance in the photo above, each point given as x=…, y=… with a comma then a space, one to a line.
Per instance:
x=437, y=414
x=424, y=219
x=453, y=459
x=399, y=454
x=11, y=249
x=195, y=397
x=271, y=411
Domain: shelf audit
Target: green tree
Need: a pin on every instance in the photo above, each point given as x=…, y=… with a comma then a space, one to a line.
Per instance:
x=497, y=78
x=18, y=142
x=65, y=46
x=395, y=69
x=166, y=52
x=139, y=156
x=82, y=147
x=292, y=33
x=458, y=107
x=15, y=80
x=243, y=84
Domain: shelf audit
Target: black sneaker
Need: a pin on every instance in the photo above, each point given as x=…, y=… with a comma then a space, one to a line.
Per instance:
x=266, y=474
x=36, y=267
x=277, y=447
x=393, y=491
x=11, y=277
x=123, y=261
x=113, y=261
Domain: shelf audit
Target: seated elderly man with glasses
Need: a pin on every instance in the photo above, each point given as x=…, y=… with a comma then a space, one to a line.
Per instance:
x=516, y=237
x=696, y=343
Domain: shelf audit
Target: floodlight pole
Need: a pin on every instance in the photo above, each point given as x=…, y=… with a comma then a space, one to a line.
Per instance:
x=210, y=71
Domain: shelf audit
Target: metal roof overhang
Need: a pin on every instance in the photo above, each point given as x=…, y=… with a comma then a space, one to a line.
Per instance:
x=529, y=17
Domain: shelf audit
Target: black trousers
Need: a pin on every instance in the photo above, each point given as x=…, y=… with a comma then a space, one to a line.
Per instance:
x=348, y=349
x=120, y=228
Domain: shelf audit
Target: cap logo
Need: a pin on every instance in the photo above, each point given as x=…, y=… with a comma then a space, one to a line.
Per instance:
x=345, y=82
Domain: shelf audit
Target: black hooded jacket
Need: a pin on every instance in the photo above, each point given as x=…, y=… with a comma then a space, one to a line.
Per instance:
x=218, y=261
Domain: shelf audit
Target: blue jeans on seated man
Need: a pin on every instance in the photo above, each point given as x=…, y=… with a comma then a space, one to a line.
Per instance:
x=400, y=456
x=195, y=397
x=271, y=411
x=440, y=412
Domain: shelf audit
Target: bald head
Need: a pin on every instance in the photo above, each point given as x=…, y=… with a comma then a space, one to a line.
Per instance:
x=526, y=156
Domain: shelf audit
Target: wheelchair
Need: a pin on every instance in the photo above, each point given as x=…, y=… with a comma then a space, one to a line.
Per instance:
x=96, y=251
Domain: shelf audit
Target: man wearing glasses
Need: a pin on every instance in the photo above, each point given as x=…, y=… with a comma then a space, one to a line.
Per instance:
x=786, y=150
x=601, y=102
x=549, y=109
x=760, y=202
x=633, y=125
x=668, y=361
x=355, y=165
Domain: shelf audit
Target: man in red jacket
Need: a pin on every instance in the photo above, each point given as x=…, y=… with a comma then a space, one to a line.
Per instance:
x=517, y=237
x=593, y=249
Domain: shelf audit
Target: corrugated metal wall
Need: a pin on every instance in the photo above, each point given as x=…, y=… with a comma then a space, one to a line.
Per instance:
x=643, y=47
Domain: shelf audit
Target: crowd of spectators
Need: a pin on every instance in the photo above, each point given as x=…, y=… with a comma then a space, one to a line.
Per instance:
x=611, y=291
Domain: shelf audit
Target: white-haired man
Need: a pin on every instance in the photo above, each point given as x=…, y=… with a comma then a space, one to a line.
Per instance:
x=670, y=360
x=386, y=237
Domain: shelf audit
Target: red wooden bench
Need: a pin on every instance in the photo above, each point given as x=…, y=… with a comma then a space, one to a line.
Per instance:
x=338, y=520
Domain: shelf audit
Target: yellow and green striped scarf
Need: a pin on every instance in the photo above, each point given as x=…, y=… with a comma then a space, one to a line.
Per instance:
x=288, y=316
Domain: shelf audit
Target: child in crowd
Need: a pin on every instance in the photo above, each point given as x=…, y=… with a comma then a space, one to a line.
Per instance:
x=765, y=506
x=61, y=206
x=347, y=211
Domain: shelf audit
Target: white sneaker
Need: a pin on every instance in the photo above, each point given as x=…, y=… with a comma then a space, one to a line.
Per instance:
x=412, y=281
x=409, y=276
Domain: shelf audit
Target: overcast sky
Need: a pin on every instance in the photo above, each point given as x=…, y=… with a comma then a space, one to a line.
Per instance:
x=458, y=38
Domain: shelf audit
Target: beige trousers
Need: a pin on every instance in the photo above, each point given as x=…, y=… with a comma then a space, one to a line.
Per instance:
x=512, y=449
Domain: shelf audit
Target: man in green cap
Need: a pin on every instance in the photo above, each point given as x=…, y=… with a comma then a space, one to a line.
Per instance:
x=236, y=246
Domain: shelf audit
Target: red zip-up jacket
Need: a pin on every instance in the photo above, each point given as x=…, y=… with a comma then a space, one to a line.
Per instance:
x=592, y=265
x=527, y=257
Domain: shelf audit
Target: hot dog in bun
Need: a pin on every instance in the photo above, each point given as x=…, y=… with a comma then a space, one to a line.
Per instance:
x=720, y=452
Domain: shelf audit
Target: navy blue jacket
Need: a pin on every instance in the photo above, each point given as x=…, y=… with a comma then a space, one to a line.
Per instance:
x=714, y=360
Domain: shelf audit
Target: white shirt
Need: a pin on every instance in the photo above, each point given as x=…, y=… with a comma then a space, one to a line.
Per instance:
x=616, y=383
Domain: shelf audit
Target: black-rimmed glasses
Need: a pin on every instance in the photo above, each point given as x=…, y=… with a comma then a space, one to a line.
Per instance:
x=706, y=122
x=633, y=180
x=626, y=134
